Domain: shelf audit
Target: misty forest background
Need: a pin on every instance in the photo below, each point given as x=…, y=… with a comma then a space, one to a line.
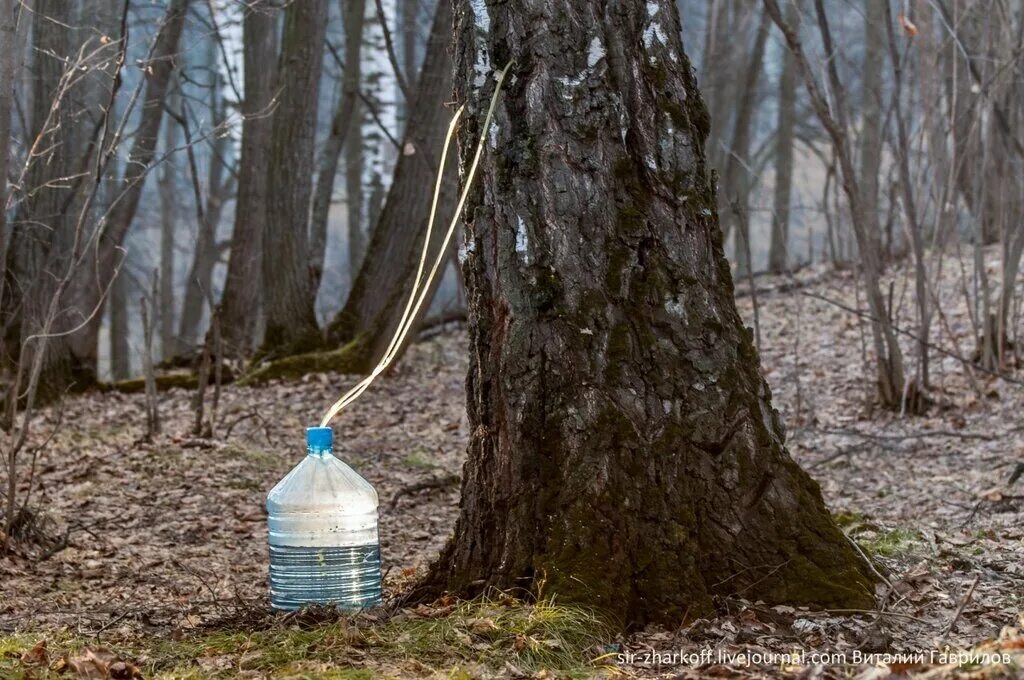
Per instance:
x=929, y=127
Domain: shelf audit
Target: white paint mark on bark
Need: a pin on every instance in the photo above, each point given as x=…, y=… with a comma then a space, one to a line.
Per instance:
x=522, y=241
x=655, y=31
x=667, y=406
x=492, y=136
x=595, y=52
x=480, y=15
x=586, y=331
x=465, y=250
x=482, y=21
x=675, y=308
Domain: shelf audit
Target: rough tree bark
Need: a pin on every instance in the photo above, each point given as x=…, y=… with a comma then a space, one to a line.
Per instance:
x=288, y=292
x=778, y=248
x=14, y=22
x=375, y=303
x=241, y=299
x=624, y=450
x=42, y=234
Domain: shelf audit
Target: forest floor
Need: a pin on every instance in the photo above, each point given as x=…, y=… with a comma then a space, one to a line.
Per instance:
x=160, y=562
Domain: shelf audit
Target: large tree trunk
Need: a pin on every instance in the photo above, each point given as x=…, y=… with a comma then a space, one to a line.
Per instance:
x=784, y=146
x=288, y=292
x=42, y=235
x=241, y=299
x=382, y=285
x=625, y=452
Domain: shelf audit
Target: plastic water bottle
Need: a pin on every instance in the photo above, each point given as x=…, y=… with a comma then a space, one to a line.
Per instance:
x=324, y=547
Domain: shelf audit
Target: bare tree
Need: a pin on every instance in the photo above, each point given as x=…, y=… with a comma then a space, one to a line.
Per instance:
x=384, y=279
x=14, y=23
x=734, y=194
x=871, y=116
x=892, y=389
x=345, y=129
x=288, y=291
x=220, y=181
x=240, y=302
x=778, y=249
x=167, y=184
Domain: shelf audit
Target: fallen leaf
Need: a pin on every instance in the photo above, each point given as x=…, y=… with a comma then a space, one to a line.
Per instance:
x=36, y=656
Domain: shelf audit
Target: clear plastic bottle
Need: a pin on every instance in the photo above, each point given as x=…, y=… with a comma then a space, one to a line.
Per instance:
x=324, y=547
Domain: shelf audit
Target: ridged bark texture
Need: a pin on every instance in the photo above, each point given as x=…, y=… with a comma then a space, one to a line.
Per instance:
x=240, y=303
x=624, y=451
x=288, y=291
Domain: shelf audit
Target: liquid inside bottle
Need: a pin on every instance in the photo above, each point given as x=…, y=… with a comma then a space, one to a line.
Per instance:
x=324, y=547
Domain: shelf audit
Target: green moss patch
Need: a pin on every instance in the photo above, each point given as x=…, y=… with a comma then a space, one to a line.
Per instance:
x=350, y=358
x=467, y=639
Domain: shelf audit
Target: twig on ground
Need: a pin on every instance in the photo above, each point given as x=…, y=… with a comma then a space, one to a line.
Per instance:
x=959, y=610
x=435, y=483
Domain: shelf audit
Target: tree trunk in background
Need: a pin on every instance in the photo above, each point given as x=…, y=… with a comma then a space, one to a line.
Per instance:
x=199, y=284
x=344, y=127
x=42, y=235
x=410, y=39
x=376, y=202
x=382, y=285
x=288, y=292
x=354, y=198
x=871, y=117
x=734, y=194
x=778, y=248
x=14, y=21
x=624, y=453
x=718, y=69
x=168, y=224
x=93, y=281
x=892, y=390
x=120, y=352
x=240, y=303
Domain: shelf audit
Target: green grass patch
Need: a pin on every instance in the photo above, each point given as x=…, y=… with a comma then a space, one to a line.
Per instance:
x=466, y=639
x=420, y=459
x=890, y=542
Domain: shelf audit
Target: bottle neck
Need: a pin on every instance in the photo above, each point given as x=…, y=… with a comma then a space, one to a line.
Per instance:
x=318, y=453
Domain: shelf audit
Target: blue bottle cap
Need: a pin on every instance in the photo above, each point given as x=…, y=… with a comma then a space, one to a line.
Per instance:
x=319, y=439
